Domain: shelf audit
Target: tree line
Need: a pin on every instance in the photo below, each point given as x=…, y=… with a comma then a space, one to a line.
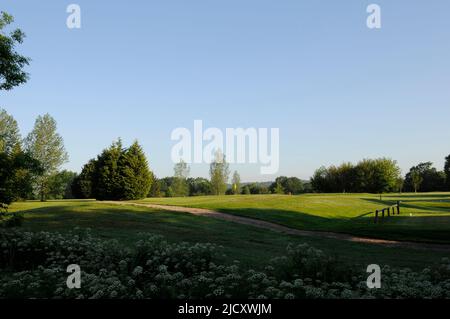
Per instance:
x=120, y=173
x=380, y=176
x=30, y=167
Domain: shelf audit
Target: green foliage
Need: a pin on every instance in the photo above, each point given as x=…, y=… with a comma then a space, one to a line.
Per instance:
x=16, y=173
x=416, y=179
x=199, y=186
x=165, y=187
x=82, y=183
x=236, y=183
x=377, y=176
x=179, y=185
x=12, y=63
x=400, y=184
x=287, y=185
x=59, y=185
x=25, y=171
x=447, y=172
x=278, y=189
x=136, y=178
x=155, y=189
x=258, y=189
x=368, y=176
x=106, y=182
x=9, y=133
x=47, y=146
x=165, y=183
x=34, y=266
x=219, y=172
x=170, y=192
x=246, y=190
x=117, y=174
x=425, y=178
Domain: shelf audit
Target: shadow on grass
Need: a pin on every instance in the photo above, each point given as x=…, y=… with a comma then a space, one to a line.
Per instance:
x=248, y=244
x=101, y=217
x=123, y=220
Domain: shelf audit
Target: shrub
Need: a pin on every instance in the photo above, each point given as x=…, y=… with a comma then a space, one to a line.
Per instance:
x=33, y=265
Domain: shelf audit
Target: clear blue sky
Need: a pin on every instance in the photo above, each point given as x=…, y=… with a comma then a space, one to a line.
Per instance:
x=337, y=90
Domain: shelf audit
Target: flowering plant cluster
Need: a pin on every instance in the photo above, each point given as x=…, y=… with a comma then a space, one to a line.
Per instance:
x=33, y=265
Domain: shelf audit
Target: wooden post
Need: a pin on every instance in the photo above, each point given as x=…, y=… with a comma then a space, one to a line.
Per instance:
x=388, y=211
x=376, y=216
x=382, y=213
x=398, y=207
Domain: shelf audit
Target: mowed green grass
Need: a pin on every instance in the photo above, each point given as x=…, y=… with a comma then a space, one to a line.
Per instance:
x=253, y=247
x=423, y=218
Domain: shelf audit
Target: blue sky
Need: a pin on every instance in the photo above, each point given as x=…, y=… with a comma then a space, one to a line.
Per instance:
x=337, y=90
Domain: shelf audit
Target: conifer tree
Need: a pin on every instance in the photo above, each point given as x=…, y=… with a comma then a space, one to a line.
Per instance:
x=82, y=184
x=136, y=178
x=106, y=179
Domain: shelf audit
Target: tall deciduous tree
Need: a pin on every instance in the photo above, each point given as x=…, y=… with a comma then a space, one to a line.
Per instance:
x=47, y=146
x=11, y=62
x=9, y=132
x=181, y=173
x=19, y=169
x=219, y=173
x=236, y=183
x=400, y=184
x=416, y=179
x=431, y=180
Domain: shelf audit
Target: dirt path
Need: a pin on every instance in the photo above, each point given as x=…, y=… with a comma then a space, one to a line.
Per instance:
x=287, y=230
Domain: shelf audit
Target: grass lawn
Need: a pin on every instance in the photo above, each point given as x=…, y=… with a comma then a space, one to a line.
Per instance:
x=424, y=217
x=254, y=247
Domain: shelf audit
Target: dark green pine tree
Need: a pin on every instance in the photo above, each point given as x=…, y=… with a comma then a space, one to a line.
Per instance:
x=135, y=175
x=106, y=181
x=82, y=184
